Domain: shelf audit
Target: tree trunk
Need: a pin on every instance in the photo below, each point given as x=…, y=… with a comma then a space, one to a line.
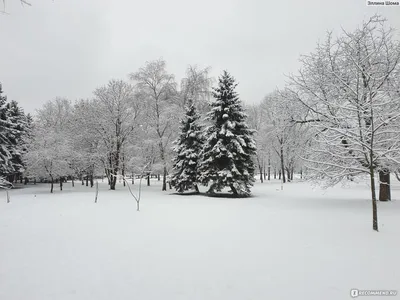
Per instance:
x=196, y=188
x=113, y=182
x=234, y=191
x=115, y=168
x=108, y=176
x=259, y=164
x=148, y=179
x=112, y=173
x=264, y=170
x=115, y=156
x=97, y=191
x=269, y=169
x=73, y=183
x=61, y=183
x=91, y=180
x=164, y=184
x=301, y=173
x=384, y=185
x=123, y=168
x=373, y=196
x=279, y=174
x=274, y=173
x=87, y=179
x=113, y=179
x=282, y=166
x=52, y=184
x=211, y=190
x=162, y=154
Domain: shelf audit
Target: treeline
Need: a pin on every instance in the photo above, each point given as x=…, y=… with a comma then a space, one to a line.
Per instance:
x=127, y=127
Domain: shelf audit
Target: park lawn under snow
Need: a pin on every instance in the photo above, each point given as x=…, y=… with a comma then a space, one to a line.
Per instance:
x=297, y=243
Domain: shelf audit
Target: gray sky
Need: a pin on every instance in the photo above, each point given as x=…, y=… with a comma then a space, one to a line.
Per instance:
x=67, y=48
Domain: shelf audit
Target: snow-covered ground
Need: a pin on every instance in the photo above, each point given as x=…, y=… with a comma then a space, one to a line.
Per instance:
x=297, y=243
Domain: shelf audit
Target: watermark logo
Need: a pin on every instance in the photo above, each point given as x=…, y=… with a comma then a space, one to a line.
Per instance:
x=354, y=293
x=383, y=3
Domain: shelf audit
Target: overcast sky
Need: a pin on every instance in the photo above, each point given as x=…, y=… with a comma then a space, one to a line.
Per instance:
x=67, y=48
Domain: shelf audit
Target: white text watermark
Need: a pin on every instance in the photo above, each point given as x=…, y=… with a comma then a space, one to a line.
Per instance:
x=358, y=293
x=383, y=3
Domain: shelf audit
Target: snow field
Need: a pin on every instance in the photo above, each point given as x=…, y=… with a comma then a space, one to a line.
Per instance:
x=297, y=243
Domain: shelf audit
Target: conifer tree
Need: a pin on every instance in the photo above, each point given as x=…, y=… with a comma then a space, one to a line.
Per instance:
x=6, y=129
x=13, y=127
x=187, y=148
x=19, y=124
x=226, y=159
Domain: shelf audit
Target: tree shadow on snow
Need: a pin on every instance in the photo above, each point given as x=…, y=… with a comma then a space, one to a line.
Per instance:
x=214, y=195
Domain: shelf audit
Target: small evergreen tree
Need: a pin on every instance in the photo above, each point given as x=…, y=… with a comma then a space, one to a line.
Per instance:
x=226, y=158
x=187, y=148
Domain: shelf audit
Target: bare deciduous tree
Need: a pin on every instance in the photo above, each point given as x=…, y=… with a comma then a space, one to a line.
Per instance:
x=157, y=89
x=116, y=112
x=197, y=87
x=350, y=89
x=49, y=148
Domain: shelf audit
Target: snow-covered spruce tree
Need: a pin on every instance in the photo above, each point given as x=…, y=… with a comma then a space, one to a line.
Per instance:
x=187, y=148
x=5, y=131
x=19, y=122
x=13, y=127
x=226, y=159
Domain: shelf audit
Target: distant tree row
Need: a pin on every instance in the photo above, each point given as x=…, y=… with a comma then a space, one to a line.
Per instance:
x=123, y=128
x=130, y=127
